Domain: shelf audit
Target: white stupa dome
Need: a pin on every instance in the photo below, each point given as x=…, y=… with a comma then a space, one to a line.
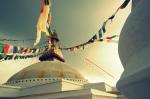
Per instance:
x=44, y=72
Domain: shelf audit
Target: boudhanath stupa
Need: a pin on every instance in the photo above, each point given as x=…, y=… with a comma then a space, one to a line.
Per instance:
x=52, y=78
x=55, y=79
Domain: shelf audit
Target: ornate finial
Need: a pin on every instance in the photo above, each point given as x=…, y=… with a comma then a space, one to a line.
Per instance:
x=54, y=51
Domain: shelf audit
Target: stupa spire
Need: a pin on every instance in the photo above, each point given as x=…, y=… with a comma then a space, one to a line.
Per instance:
x=54, y=51
x=44, y=25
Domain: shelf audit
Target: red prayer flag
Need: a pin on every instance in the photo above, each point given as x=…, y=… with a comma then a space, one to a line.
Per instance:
x=42, y=9
x=6, y=48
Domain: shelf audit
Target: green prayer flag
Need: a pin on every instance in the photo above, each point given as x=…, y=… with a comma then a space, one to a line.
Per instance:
x=104, y=27
x=1, y=48
x=50, y=31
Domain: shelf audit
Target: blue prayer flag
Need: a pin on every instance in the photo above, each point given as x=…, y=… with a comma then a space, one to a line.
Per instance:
x=100, y=34
x=15, y=49
x=94, y=37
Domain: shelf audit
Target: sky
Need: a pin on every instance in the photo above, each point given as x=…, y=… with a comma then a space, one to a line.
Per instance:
x=76, y=21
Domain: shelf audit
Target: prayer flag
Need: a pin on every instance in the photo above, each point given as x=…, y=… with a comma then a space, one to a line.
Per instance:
x=33, y=50
x=100, y=34
x=10, y=51
x=25, y=50
x=42, y=21
x=112, y=17
x=19, y=49
x=111, y=37
x=94, y=37
x=28, y=50
x=1, y=48
x=6, y=48
x=71, y=49
x=37, y=51
x=15, y=49
x=104, y=27
x=126, y=2
x=50, y=31
x=78, y=47
x=22, y=50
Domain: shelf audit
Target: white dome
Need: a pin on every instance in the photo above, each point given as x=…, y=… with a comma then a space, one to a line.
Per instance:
x=47, y=70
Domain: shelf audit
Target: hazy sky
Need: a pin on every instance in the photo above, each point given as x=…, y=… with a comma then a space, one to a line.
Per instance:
x=76, y=21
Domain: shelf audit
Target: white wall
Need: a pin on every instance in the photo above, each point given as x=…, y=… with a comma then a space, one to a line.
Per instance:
x=99, y=86
x=8, y=91
x=76, y=94
x=41, y=89
x=68, y=85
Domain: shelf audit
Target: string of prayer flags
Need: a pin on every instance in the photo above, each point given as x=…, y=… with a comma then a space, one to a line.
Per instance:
x=102, y=30
x=16, y=40
x=43, y=25
x=124, y=5
x=92, y=40
x=10, y=49
x=9, y=52
x=16, y=57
